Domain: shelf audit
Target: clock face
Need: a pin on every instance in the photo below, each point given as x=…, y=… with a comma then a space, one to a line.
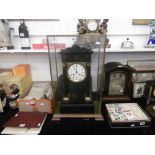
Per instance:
x=117, y=83
x=92, y=25
x=76, y=73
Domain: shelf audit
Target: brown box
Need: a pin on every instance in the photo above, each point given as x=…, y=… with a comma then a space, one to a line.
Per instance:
x=4, y=76
x=35, y=105
x=22, y=82
x=22, y=70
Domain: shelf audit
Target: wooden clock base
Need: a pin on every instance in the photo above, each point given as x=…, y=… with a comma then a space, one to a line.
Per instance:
x=69, y=108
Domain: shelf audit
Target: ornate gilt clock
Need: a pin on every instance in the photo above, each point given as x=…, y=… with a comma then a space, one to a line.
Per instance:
x=76, y=81
x=90, y=31
x=117, y=82
x=92, y=26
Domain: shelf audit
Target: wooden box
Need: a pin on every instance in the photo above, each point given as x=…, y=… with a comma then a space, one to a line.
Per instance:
x=127, y=115
x=35, y=105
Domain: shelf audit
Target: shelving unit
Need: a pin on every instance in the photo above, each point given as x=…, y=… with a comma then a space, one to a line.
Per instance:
x=111, y=50
x=130, y=50
x=23, y=51
x=118, y=31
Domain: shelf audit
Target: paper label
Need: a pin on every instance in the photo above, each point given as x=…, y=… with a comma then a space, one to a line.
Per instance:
x=130, y=115
x=22, y=125
x=42, y=104
x=98, y=43
x=21, y=34
x=142, y=123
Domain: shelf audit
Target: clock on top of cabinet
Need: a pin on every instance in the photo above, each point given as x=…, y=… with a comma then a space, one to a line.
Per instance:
x=117, y=82
x=90, y=31
x=92, y=26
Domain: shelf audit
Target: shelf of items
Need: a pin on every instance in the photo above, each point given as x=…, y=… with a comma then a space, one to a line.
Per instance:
x=108, y=50
x=24, y=51
x=130, y=50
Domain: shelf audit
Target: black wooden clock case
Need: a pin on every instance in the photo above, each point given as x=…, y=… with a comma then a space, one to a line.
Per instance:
x=76, y=97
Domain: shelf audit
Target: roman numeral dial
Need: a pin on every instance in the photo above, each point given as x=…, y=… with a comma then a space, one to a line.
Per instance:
x=76, y=73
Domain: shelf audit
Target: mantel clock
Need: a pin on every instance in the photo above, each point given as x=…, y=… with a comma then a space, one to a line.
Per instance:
x=117, y=82
x=76, y=80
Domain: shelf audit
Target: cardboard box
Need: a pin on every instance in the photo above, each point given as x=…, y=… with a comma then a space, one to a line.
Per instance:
x=22, y=70
x=4, y=76
x=22, y=82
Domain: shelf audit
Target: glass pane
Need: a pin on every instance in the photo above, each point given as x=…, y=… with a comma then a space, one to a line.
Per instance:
x=76, y=65
x=117, y=84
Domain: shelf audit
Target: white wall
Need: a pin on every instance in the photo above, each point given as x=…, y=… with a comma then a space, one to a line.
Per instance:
x=39, y=29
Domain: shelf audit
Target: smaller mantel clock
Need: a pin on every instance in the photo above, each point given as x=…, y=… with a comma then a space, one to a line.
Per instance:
x=117, y=82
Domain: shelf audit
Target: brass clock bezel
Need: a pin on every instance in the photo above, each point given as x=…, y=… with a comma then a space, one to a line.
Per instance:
x=69, y=76
x=97, y=22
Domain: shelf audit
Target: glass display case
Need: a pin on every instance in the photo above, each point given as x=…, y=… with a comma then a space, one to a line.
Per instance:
x=143, y=71
x=76, y=67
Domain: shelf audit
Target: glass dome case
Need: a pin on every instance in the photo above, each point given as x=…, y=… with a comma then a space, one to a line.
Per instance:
x=76, y=67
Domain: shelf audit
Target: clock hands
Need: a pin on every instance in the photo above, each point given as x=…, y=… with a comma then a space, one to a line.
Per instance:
x=75, y=69
x=76, y=72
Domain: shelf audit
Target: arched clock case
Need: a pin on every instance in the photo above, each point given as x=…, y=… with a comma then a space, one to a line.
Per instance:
x=117, y=82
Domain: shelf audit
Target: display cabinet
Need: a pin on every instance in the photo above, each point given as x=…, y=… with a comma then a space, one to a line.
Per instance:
x=76, y=70
x=143, y=71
